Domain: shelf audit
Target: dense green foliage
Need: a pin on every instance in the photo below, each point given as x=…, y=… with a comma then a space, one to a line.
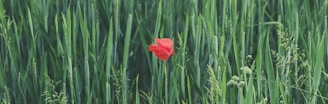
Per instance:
x=226, y=51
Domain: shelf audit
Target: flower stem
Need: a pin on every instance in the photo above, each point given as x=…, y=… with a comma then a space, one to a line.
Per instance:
x=166, y=85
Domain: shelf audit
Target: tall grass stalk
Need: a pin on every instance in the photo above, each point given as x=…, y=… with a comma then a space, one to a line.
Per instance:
x=109, y=62
x=125, y=60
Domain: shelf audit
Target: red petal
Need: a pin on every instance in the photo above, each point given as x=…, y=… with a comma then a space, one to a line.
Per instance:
x=165, y=42
x=172, y=52
x=163, y=49
x=152, y=47
x=161, y=53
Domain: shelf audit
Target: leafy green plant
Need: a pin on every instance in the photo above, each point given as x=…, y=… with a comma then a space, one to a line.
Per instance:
x=226, y=51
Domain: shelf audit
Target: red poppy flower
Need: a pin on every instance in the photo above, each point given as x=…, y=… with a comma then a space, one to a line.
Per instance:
x=163, y=49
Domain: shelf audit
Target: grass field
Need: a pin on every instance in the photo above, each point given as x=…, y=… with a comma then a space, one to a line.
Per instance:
x=226, y=52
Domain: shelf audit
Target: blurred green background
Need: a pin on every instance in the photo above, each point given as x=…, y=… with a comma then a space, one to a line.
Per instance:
x=226, y=51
